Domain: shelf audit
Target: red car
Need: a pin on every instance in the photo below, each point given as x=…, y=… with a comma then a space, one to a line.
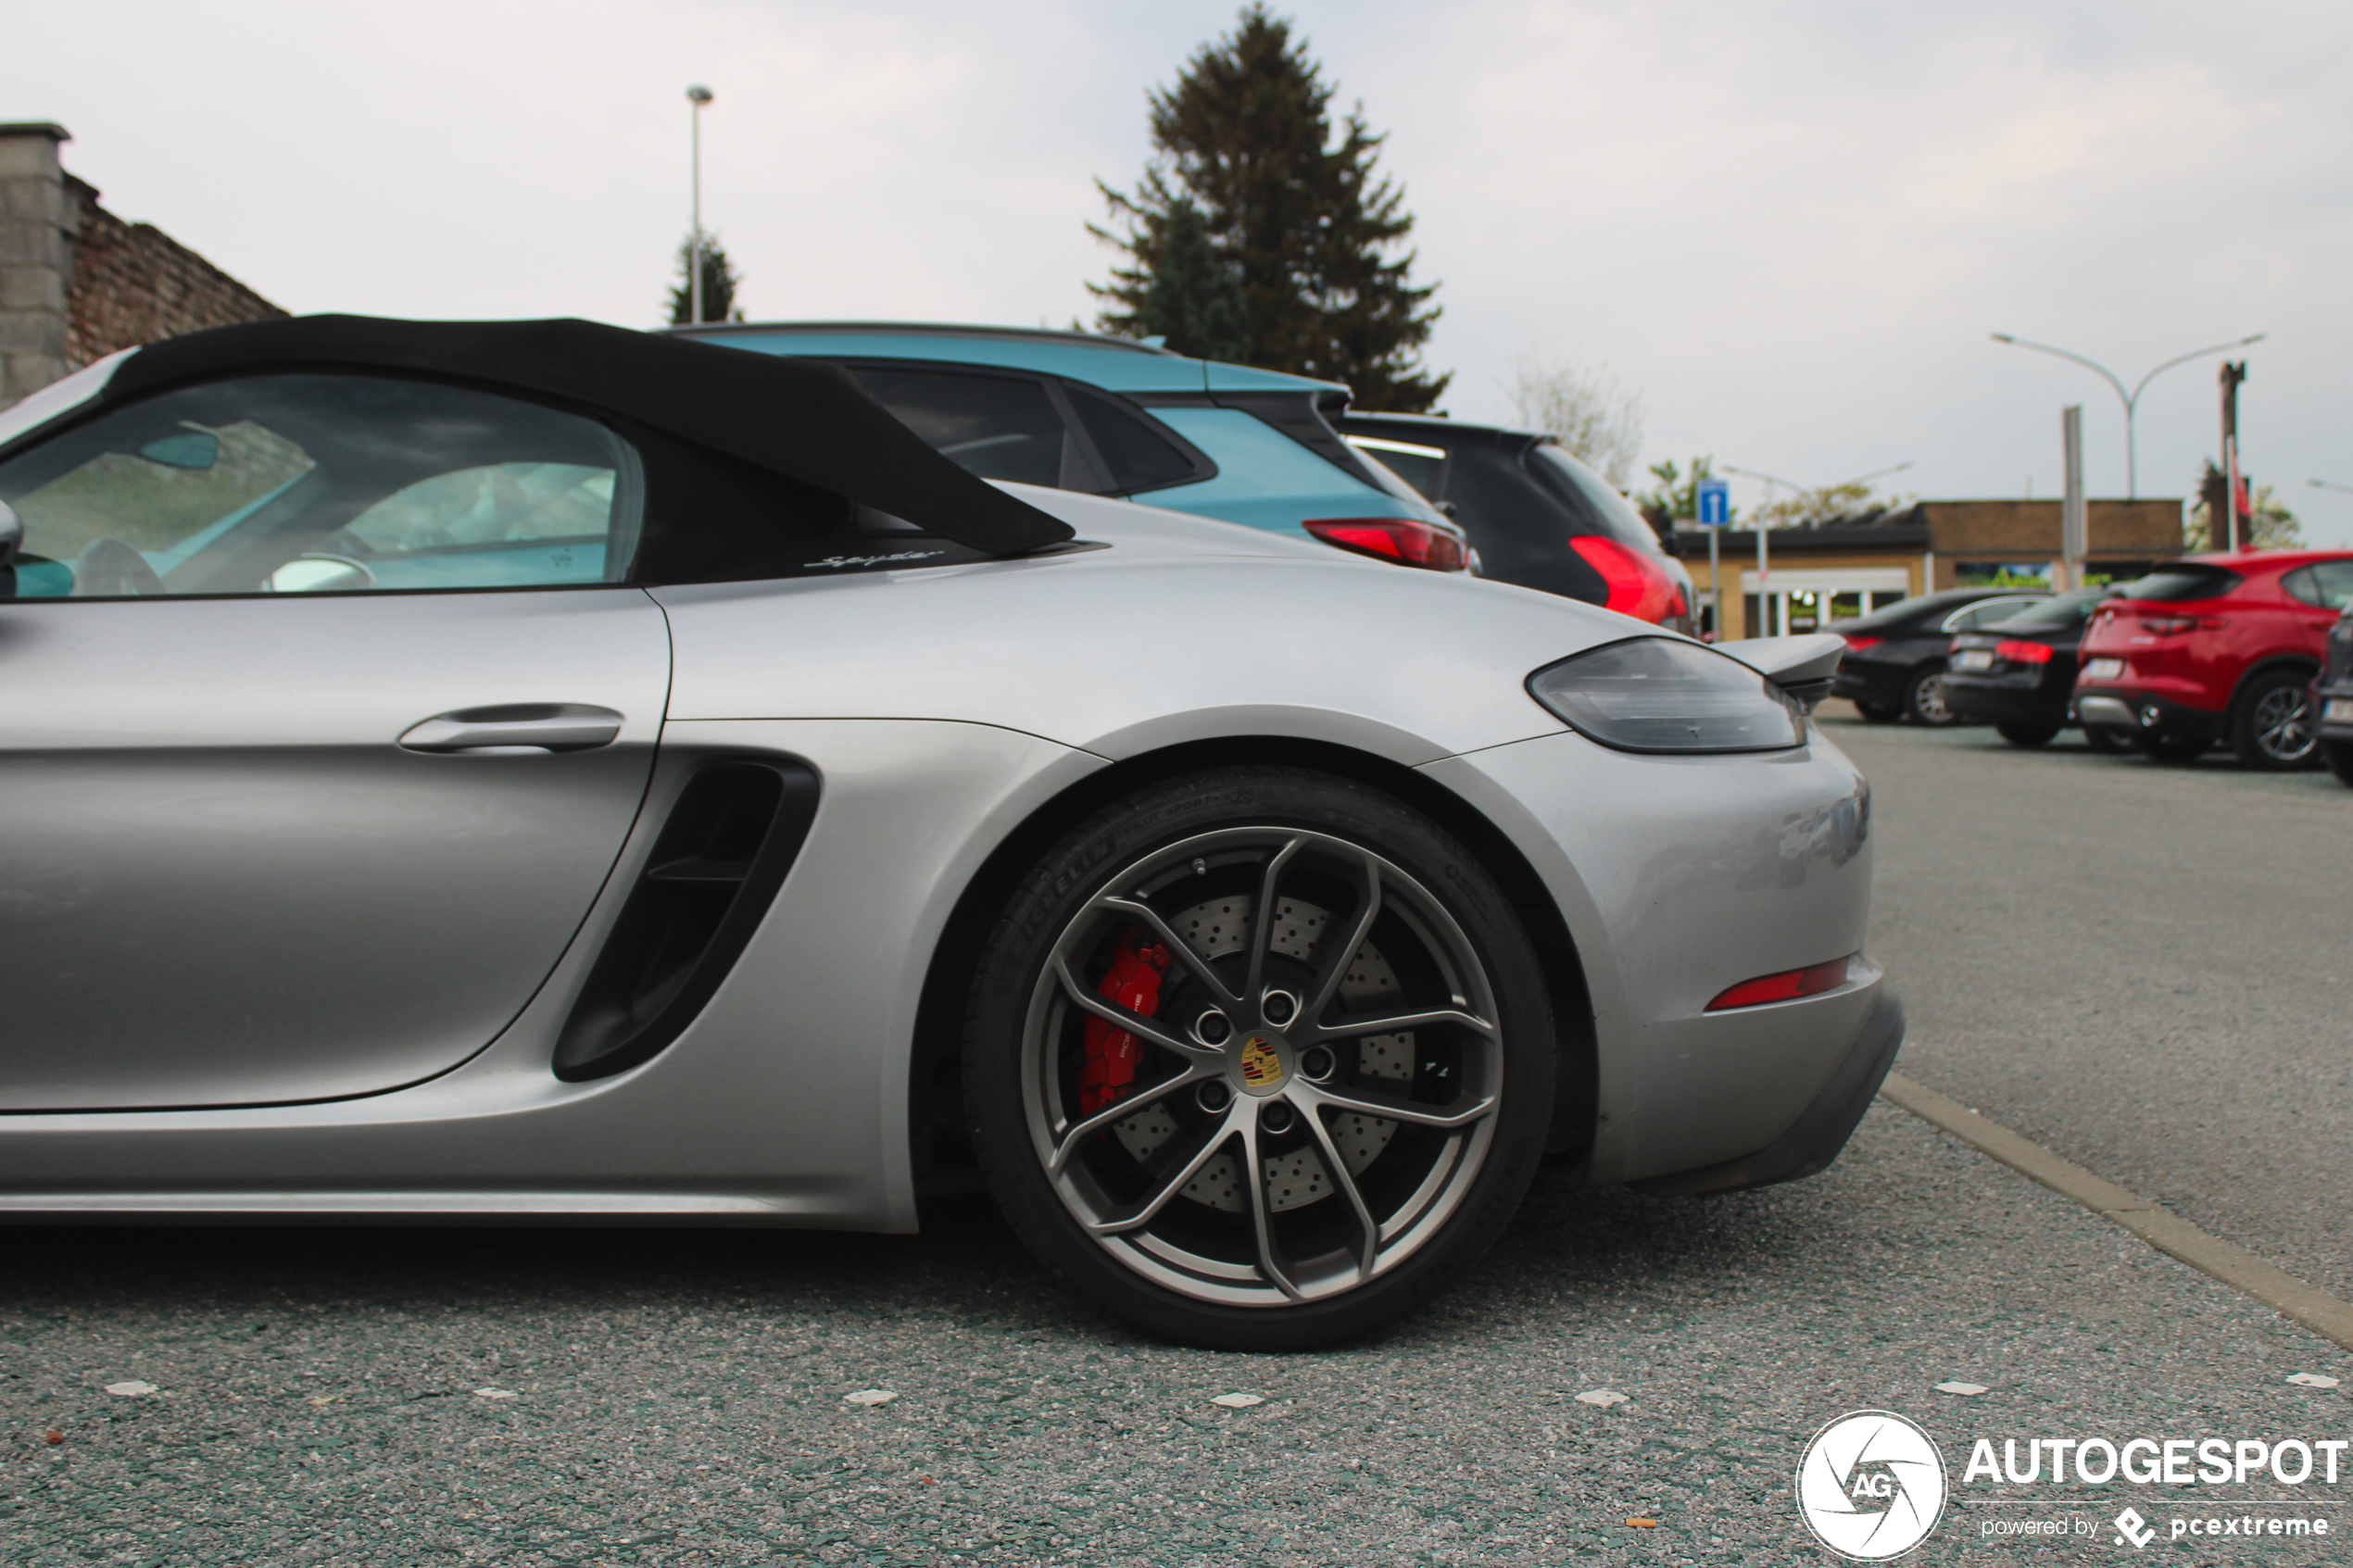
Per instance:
x=2221, y=647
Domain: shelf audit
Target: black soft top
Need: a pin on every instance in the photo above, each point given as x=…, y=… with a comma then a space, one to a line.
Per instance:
x=806, y=420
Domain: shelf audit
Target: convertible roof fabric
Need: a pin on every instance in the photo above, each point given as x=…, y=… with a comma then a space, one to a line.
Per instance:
x=806, y=420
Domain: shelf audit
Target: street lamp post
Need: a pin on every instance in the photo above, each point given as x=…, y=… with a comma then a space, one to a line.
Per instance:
x=2130, y=399
x=698, y=96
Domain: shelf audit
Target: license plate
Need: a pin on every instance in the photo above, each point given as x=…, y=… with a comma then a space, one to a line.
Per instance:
x=2104, y=669
x=1973, y=659
x=2338, y=711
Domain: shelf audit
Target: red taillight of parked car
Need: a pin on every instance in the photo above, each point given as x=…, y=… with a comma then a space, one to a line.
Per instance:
x=2023, y=653
x=1638, y=586
x=1786, y=986
x=1857, y=644
x=2167, y=625
x=1399, y=539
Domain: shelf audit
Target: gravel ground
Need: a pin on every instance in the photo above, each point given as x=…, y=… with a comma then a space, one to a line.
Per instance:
x=679, y=1398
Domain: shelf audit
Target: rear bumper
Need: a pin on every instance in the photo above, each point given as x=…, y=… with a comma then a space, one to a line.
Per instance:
x=1821, y=1129
x=2333, y=729
x=1869, y=681
x=2122, y=709
x=1998, y=699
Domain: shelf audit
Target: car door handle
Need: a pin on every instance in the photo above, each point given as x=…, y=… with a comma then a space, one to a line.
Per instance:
x=515, y=728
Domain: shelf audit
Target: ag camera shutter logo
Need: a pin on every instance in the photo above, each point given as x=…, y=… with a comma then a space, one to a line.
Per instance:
x=1872, y=1486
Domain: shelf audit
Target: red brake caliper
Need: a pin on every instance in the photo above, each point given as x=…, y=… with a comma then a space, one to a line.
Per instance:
x=1113, y=1053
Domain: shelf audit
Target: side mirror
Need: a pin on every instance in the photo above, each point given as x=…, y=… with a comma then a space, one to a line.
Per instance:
x=11, y=534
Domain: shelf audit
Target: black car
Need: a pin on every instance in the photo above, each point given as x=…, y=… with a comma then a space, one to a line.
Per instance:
x=2019, y=676
x=1895, y=662
x=2333, y=699
x=1536, y=515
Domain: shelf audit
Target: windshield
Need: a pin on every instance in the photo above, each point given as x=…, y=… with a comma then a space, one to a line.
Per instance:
x=1589, y=494
x=2184, y=582
x=2070, y=609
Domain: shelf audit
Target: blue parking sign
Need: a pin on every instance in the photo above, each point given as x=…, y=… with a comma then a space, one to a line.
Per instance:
x=1715, y=504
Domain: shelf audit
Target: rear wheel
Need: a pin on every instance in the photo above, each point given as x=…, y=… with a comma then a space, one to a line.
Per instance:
x=2272, y=724
x=2026, y=735
x=1258, y=1059
x=2339, y=754
x=1874, y=714
x=1924, y=700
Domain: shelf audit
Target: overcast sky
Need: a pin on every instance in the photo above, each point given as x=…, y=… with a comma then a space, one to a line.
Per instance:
x=1790, y=226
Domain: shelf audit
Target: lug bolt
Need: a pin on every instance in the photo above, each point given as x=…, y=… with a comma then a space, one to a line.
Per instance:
x=1276, y=1118
x=1212, y=1028
x=1279, y=1007
x=1317, y=1063
x=1214, y=1096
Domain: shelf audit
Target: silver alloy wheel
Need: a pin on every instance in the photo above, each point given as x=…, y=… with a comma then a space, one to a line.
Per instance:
x=1314, y=1148
x=1928, y=701
x=2282, y=725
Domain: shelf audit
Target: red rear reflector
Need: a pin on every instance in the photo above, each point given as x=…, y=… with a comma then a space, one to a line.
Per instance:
x=1784, y=987
x=1399, y=539
x=1638, y=586
x=2023, y=653
x=1857, y=644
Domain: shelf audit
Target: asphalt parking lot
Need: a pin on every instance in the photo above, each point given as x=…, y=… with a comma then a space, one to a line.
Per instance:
x=2131, y=965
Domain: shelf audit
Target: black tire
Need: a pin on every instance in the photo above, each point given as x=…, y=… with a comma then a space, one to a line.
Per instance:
x=2028, y=735
x=2338, y=754
x=2172, y=748
x=1874, y=714
x=2272, y=724
x=1924, y=698
x=1215, y=1260
x=2107, y=737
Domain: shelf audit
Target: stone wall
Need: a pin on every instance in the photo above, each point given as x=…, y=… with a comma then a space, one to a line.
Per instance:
x=77, y=282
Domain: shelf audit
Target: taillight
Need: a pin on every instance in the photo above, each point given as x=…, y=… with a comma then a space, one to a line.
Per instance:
x=1638, y=586
x=2023, y=653
x=2168, y=625
x=1857, y=644
x=1400, y=539
x=1784, y=987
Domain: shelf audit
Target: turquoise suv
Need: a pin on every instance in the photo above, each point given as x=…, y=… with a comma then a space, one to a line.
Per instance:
x=1112, y=417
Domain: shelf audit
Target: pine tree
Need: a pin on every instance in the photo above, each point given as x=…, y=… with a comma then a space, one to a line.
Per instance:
x=719, y=282
x=1301, y=221
x=1186, y=293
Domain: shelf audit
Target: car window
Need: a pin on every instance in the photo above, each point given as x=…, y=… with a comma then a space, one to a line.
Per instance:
x=1423, y=468
x=311, y=484
x=2183, y=582
x=1139, y=456
x=1589, y=494
x=2327, y=584
x=2070, y=609
x=999, y=427
x=1984, y=613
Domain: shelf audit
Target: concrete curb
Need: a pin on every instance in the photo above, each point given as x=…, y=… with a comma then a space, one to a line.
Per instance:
x=2168, y=1233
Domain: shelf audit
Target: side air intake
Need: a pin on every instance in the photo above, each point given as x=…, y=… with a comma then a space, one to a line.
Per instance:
x=730, y=839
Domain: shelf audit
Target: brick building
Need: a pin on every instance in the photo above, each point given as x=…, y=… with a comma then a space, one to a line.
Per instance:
x=1816, y=575
x=77, y=282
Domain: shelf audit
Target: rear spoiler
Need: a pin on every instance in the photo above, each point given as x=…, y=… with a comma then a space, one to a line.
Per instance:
x=1801, y=666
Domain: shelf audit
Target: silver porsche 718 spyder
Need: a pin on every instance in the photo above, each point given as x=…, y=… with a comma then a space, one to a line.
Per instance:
x=545, y=771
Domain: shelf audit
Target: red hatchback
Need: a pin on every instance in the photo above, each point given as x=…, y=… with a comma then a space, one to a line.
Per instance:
x=2220, y=647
